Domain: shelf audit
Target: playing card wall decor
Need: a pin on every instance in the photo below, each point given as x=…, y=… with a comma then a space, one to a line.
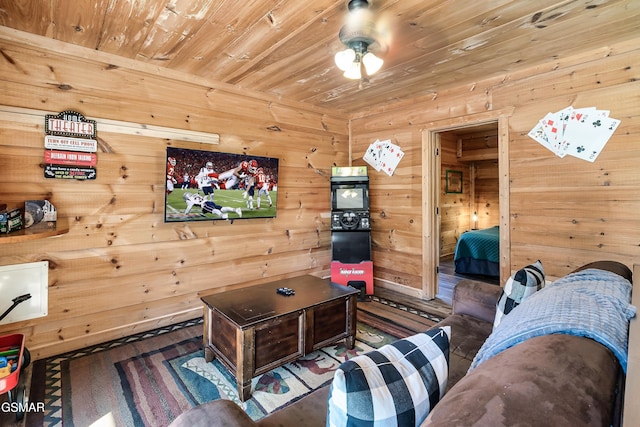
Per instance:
x=579, y=132
x=383, y=156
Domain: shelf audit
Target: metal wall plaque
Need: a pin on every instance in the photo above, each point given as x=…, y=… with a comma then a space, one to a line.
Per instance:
x=71, y=143
x=70, y=123
x=69, y=172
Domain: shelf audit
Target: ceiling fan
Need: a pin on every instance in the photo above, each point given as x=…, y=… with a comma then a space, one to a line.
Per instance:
x=366, y=41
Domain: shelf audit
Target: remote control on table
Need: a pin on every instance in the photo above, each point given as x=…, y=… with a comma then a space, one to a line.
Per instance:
x=285, y=291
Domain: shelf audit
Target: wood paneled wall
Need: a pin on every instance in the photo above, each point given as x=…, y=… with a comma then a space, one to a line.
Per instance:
x=454, y=207
x=121, y=269
x=487, y=195
x=478, y=147
x=563, y=211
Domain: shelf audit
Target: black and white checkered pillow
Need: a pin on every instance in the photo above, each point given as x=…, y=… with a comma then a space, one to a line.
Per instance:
x=524, y=283
x=396, y=385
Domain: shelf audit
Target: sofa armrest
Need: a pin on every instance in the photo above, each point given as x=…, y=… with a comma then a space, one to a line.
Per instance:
x=476, y=299
x=612, y=266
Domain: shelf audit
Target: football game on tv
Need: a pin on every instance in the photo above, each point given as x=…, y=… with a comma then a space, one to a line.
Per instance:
x=208, y=185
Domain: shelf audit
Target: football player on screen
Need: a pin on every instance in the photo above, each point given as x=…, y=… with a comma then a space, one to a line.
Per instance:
x=185, y=181
x=250, y=186
x=263, y=183
x=193, y=199
x=171, y=172
x=229, y=179
x=206, y=178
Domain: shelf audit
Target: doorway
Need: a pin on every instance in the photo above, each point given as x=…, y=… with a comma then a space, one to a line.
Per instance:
x=469, y=200
x=432, y=188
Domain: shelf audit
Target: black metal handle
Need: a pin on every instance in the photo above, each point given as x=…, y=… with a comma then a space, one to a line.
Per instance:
x=16, y=301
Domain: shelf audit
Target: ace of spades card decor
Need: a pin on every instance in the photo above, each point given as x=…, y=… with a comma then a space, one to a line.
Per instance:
x=383, y=156
x=579, y=132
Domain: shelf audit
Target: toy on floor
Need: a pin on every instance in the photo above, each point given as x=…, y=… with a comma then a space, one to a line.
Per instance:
x=8, y=364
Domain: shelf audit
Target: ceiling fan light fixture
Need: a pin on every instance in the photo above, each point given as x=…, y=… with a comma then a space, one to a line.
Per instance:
x=353, y=71
x=345, y=58
x=372, y=63
x=359, y=35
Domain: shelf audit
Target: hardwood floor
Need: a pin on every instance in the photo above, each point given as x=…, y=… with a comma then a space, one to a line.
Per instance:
x=440, y=306
x=436, y=306
x=448, y=279
x=400, y=323
x=396, y=322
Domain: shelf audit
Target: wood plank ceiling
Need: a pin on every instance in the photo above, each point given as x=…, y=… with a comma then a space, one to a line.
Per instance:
x=285, y=47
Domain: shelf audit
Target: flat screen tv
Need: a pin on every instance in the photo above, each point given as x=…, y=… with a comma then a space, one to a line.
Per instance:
x=208, y=185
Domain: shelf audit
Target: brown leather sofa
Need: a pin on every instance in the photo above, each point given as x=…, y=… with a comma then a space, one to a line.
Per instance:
x=557, y=379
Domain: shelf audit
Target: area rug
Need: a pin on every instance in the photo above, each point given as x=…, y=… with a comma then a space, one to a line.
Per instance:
x=151, y=378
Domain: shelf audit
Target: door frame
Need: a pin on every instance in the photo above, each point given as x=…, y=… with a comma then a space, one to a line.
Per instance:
x=431, y=192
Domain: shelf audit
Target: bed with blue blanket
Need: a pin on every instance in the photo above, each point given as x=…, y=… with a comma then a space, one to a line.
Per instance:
x=478, y=252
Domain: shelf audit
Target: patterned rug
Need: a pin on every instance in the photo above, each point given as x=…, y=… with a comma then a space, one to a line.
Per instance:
x=150, y=378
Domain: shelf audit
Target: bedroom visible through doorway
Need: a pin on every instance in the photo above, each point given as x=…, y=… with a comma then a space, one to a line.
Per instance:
x=474, y=149
x=469, y=200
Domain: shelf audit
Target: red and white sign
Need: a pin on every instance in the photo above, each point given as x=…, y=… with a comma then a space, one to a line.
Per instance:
x=74, y=144
x=70, y=158
x=71, y=140
x=344, y=274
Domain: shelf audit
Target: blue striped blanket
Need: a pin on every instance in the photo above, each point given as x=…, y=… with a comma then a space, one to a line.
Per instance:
x=591, y=303
x=479, y=244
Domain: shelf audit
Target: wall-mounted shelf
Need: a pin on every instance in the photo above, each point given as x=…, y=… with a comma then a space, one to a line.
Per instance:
x=62, y=227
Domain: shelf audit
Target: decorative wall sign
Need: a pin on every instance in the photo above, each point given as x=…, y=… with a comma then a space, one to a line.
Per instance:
x=71, y=143
x=66, y=143
x=70, y=158
x=67, y=172
x=70, y=123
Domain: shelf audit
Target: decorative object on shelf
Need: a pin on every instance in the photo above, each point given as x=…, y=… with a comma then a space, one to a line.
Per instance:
x=363, y=38
x=383, y=156
x=71, y=143
x=10, y=220
x=454, y=182
x=579, y=132
x=39, y=214
x=26, y=234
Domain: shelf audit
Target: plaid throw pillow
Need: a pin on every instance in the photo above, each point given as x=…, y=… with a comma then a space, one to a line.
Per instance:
x=524, y=283
x=396, y=385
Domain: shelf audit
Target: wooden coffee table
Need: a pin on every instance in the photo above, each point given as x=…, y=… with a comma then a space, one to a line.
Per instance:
x=254, y=330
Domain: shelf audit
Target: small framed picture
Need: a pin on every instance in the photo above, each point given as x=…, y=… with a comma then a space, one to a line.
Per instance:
x=454, y=182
